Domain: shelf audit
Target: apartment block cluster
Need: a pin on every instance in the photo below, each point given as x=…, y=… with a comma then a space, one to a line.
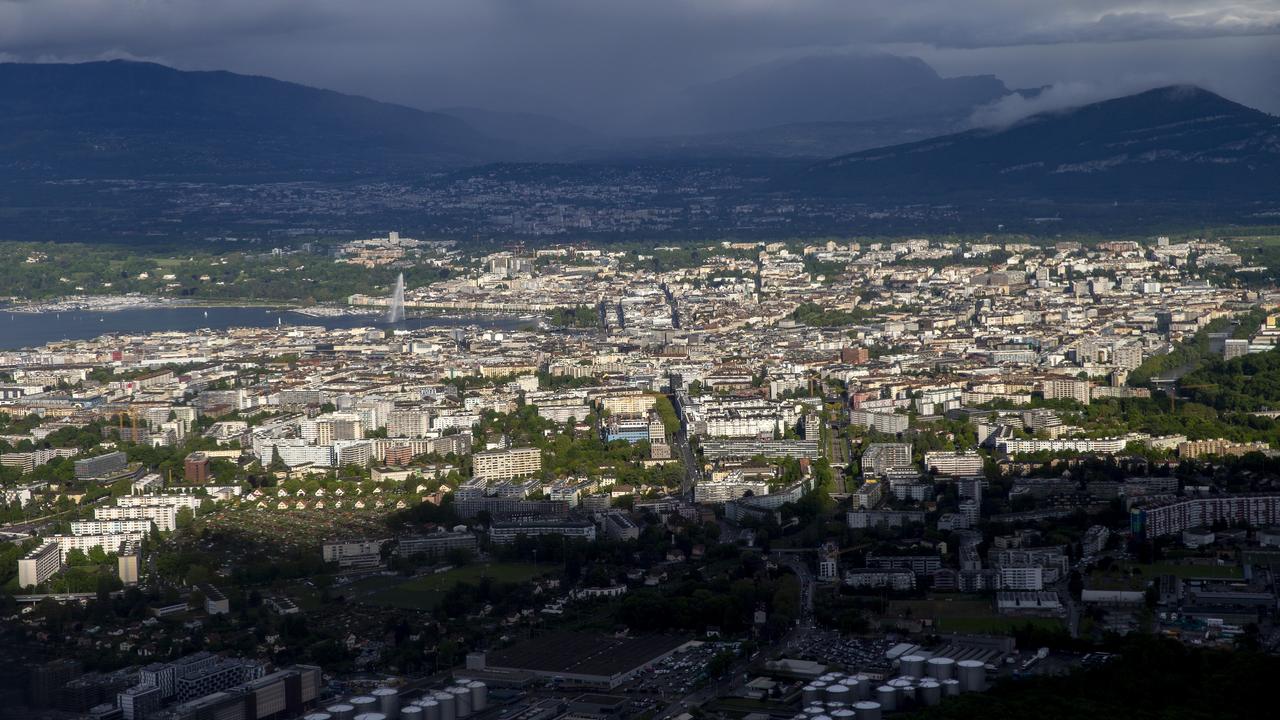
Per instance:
x=116, y=529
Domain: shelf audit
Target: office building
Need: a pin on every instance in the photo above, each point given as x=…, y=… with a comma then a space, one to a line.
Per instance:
x=137, y=702
x=204, y=673
x=506, y=533
x=354, y=553
x=435, y=545
x=100, y=466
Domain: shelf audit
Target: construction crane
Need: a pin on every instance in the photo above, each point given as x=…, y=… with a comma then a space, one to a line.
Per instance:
x=1172, y=391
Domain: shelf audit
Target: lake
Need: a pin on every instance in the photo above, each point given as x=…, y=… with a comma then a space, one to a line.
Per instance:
x=20, y=330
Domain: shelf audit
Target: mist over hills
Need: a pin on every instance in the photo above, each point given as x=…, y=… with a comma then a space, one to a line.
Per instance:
x=142, y=119
x=833, y=89
x=1167, y=143
x=70, y=133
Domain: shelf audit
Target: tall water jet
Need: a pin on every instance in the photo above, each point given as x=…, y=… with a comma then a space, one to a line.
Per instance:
x=395, y=311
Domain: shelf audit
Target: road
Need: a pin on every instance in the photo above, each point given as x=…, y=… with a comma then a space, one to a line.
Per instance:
x=692, y=470
x=792, y=559
x=837, y=446
x=31, y=527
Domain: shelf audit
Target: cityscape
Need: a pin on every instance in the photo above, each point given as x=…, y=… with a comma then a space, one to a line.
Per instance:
x=568, y=360
x=845, y=476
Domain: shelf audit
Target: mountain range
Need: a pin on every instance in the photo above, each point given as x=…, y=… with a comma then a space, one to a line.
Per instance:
x=1176, y=142
x=128, y=120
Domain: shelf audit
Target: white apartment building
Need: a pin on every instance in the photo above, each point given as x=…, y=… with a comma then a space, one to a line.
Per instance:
x=1173, y=517
x=175, y=500
x=507, y=464
x=409, y=424
x=731, y=487
x=1107, y=446
x=39, y=565
x=954, y=463
x=888, y=423
x=1077, y=390
x=1022, y=578
x=109, y=527
x=110, y=543
x=165, y=517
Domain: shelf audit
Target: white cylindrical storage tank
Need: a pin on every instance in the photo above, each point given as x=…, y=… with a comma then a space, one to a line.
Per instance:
x=388, y=701
x=341, y=711
x=941, y=668
x=448, y=706
x=479, y=696
x=317, y=716
x=430, y=708
x=950, y=687
x=838, y=694
x=364, y=704
x=912, y=665
x=843, y=713
x=929, y=692
x=906, y=689
x=809, y=695
x=822, y=717
x=887, y=696
x=829, y=678
x=815, y=708
x=462, y=700
x=867, y=710
x=865, y=687
x=412, y=712
x=972, y=675
x=855, y=693
x=371, y=716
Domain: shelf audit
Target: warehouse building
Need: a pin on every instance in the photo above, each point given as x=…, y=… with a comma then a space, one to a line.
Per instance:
x=580, y=659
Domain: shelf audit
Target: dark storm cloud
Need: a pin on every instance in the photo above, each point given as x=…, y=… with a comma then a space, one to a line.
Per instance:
x=601, y=59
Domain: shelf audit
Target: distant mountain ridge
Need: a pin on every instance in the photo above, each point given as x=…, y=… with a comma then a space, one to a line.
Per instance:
x=131, y=119
x=1167, y=143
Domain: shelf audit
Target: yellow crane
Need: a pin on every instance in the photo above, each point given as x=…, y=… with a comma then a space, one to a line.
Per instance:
x=1174, y=388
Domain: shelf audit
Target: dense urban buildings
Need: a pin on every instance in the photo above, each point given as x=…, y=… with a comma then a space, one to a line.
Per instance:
x=814, y=444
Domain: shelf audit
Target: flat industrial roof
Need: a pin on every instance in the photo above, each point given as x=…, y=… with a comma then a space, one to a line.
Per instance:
x=583, y=653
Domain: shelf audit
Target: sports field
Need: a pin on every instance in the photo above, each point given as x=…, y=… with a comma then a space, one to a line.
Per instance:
x=425, y=592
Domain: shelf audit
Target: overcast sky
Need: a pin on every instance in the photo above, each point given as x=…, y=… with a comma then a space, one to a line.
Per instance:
x=593, y=60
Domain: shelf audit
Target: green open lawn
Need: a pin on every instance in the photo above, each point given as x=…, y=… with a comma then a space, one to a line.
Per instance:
x=426, y=592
